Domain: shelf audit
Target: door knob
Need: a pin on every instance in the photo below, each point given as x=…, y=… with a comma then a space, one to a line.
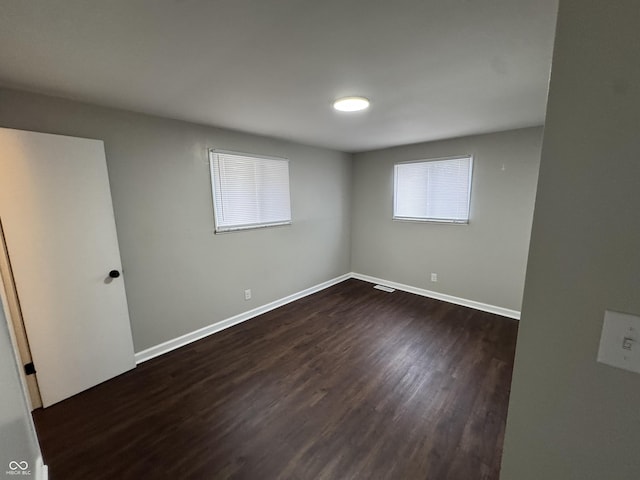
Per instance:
x=114, y=273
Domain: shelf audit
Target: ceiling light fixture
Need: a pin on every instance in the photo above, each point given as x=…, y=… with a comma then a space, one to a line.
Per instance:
x=351, y=104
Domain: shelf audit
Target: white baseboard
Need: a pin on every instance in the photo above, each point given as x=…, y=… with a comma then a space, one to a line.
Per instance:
x=42, y=471
x=183, y=340
x=188, y=338
x=505, y=312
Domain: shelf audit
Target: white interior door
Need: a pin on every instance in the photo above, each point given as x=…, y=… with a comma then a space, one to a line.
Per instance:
x=55, y=206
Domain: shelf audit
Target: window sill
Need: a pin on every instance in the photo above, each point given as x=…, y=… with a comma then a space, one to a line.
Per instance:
x=249, y=227
x=431, y=220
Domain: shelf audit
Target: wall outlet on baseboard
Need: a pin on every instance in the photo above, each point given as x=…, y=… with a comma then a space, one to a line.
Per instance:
x=247, y=294
x=434, y=277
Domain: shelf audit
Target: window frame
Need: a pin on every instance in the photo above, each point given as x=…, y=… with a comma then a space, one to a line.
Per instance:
x=215, y=186
x=428, y=219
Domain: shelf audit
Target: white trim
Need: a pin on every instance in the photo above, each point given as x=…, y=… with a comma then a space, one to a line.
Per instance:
x=485, y=307
x=42, y=471
x=188, y=338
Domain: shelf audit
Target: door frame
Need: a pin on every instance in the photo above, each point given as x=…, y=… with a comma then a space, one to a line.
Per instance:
x=19, y=339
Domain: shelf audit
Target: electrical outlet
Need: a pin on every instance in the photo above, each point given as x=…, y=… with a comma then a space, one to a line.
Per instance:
x=434, y=277
x=247, y=294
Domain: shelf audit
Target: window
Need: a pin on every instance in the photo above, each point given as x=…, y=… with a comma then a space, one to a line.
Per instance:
x=433, y=190
x=249, y=191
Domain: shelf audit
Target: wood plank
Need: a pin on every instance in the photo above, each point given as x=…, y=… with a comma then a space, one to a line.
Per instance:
x=348, y=383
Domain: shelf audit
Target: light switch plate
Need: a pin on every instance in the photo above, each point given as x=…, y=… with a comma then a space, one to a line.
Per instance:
x=620, y=341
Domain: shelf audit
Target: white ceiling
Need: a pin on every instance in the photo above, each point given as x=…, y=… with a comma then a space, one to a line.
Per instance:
x=432, y=68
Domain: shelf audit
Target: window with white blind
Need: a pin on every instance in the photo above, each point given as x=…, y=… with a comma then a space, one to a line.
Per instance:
x=249, y=191
x=436, y=190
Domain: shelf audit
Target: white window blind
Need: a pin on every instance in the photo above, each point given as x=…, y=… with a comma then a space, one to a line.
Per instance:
x=433, y=190
x=249, y=191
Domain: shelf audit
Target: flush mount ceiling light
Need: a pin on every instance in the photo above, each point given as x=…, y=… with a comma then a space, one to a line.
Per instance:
x=351, y=104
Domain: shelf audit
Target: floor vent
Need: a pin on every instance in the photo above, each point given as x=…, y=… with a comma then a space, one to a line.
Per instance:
x=384, y=289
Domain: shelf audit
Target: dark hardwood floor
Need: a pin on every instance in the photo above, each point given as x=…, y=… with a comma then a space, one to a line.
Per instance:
x=348, y=383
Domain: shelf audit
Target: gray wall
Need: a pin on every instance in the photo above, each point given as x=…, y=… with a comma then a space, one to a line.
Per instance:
x=571, y=418
x=179, y=275
x=17, y=436
x=484, y=261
